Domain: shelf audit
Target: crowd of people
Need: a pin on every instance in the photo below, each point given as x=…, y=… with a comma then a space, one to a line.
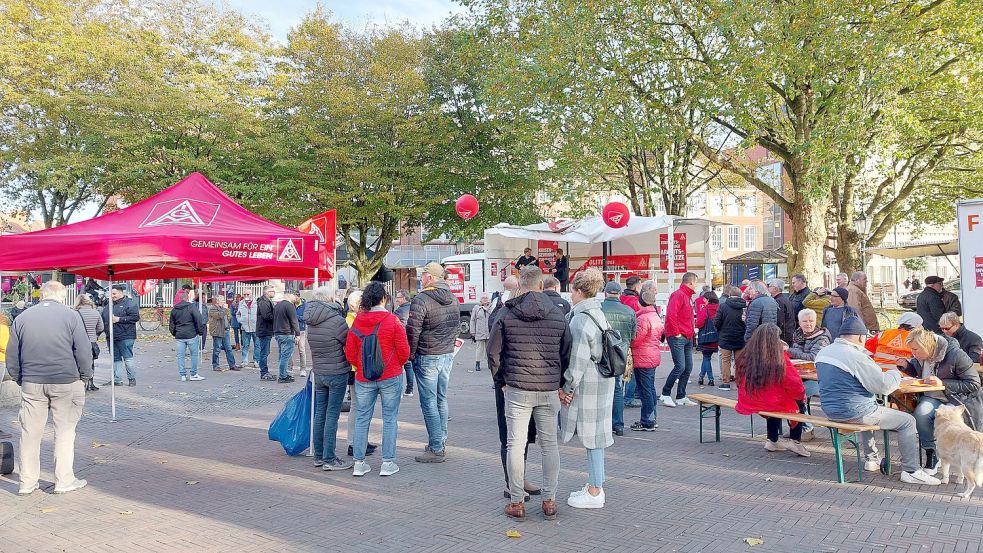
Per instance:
x=543, y=354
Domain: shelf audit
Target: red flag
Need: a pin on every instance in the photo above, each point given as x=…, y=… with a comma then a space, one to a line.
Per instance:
x=323, y=227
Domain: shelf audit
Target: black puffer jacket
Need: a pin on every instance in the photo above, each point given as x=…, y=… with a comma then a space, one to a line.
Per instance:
x=264, y=316
x=730, y=323
x=186, y=322
x=326, y=334
x=434, y=322
x=529, y=346
x=563, y=304
x=787, y=321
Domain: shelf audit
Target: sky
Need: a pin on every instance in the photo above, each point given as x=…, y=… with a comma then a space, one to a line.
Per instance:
x=281, y=15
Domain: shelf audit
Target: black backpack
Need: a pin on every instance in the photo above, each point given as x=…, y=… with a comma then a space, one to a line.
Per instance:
x=614, y=351
x=372, y=362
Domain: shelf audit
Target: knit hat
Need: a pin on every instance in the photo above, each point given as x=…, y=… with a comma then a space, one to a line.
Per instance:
x=842, y=293
x=910, y=319
x=612, y=287
x=853, y=326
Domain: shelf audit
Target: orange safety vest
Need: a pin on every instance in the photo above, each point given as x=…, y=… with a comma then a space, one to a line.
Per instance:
x=891, y=347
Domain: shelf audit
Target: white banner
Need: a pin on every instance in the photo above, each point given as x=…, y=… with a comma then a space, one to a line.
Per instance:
x=969, y=214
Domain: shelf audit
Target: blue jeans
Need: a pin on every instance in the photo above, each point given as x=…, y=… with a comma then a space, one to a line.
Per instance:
x=249, y=338
x=645, y=380
x=706, y=369
x=237, y=334
x=285, y=343
x=630, y=391
x=618, y=407
x=391, y=390
x=220, y=343
x=408, y=375
x=329, y=394
x=263, y=352
x=433, y=374
x=595, y=467
x=681, y=349
x=925, y=420
x=190, y=344
x=123, y=355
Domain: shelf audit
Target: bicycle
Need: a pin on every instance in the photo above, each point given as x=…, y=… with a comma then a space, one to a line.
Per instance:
x=154, y=319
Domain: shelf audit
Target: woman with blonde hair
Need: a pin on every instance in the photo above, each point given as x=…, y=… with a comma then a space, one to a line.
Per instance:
x=938, y=359
x=586, y=395
x=92, y=321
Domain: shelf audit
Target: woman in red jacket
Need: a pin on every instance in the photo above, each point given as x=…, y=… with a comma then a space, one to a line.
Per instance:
x=375, y=319
x=767, y=381
x=704, y=322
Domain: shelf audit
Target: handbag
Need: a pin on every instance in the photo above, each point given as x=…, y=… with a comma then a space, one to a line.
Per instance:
x=708, y=333
x=292, y=426
x=95, y=351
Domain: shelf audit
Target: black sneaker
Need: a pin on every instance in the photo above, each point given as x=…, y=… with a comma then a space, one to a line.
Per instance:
x=699, y=382
x=132, y=383
x=267, y=376
x=369, y=450
x=725, y=386
x=711, y=383
x=619, y=431
x=639, y=427
x=286, y=380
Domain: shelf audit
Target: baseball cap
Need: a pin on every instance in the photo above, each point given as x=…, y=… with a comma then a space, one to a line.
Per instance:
x=612, y=287
x=910, y=319
x=434, y=269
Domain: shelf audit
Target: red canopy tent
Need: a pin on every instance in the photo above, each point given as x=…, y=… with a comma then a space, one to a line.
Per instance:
x=190, y=230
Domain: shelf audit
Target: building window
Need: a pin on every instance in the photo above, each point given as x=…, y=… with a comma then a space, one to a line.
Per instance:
x=733, y=238
x=716, y=205
x=732, y=206
x=717, y=238
x=750, y=206
x=750, y=238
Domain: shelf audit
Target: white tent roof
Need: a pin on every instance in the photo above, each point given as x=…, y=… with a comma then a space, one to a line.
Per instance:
x=917, y=249
x=593, y=230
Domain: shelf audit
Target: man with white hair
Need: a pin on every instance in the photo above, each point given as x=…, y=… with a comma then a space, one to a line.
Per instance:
x=762, y=309
x=842, y=279
x=49, y=355
x=479, y=327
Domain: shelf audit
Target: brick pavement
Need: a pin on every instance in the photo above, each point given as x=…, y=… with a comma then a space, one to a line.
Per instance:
x=188, y=467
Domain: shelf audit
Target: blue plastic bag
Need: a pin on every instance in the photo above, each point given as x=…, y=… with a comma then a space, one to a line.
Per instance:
x=292, y=427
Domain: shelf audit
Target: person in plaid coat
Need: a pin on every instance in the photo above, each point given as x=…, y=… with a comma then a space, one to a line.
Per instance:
x=587, y=397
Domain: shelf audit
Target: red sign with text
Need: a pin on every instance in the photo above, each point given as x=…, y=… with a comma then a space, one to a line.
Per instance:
x=625, y=265
x=979, y=272
x=679, y=252
x=455, y=280
x=546, y=254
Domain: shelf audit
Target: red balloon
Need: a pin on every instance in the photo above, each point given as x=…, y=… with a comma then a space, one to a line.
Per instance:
x=616, y=215
x=466, y=207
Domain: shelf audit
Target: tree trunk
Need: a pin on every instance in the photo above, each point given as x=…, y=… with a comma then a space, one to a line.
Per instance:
x=847, y=247
x=808, y=237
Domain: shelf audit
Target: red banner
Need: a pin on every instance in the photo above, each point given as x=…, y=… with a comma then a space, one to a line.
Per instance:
x=546, y=255
x=323, y=227
x=979, y=272
x=625, y=265
x=679, y=252
x=455, y=280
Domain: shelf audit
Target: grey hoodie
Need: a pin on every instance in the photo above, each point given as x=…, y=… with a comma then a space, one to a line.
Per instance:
x=48, y=345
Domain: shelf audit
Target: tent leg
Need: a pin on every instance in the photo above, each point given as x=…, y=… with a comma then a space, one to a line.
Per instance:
x=112, y=352
x=310, y=446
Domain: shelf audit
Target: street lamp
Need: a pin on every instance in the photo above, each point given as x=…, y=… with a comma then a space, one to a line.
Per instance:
x=861, y=224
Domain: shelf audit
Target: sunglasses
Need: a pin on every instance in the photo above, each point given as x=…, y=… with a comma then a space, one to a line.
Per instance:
x=946, y=327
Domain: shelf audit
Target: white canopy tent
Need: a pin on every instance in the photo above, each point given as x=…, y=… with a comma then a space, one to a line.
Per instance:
x=591, y=241
x=908, y=250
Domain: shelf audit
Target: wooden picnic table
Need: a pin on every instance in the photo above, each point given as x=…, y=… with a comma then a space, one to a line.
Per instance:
x=908, y=385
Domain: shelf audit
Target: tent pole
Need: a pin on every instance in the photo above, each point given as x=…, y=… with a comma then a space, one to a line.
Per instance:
x=671, y=255
x=316, y=280
x=112, y=352
x=202, y=312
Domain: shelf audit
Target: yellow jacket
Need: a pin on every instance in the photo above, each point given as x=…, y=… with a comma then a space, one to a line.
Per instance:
x=4, y=337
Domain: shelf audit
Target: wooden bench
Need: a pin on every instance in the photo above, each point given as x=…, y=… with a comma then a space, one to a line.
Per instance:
x=840, y=432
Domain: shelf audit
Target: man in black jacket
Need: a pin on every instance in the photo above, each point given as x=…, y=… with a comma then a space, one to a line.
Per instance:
x=929, y=304
x=800, y=290
x=786, y=311
x=561, y=270
x=528, y=350
x=187, y=326
x=969, y=341
x=126, y=314
x=264, y=331
x=326, y=334
x=432, y=330
x=550, y=286
x=730, y=331
x=286, y=328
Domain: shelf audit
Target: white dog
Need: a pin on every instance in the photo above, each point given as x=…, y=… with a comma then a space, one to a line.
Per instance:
x=959, y=447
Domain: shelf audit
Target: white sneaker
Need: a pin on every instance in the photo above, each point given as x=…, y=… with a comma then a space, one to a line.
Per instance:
x=76, y=485
x=361, y=468
x=196, y=377
x=687, y=402
x=388, y=468
x=303, y=373
x=872, y=464
x=667, y=401
x=780, y=445
x=581, y=491
x=184, y=379
x=797, y=448
x=586, y=501
x=27, y=491
x=919, y=477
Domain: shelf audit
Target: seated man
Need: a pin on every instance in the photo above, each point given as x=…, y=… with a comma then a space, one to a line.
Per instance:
x=848, y=381
x=891, y=345
x=969, y=341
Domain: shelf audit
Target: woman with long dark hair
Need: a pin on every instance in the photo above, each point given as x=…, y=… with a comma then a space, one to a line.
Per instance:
x=704, y=322
x=767, y=381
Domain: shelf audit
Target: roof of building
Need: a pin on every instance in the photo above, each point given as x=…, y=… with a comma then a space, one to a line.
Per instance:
x=778, y=255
